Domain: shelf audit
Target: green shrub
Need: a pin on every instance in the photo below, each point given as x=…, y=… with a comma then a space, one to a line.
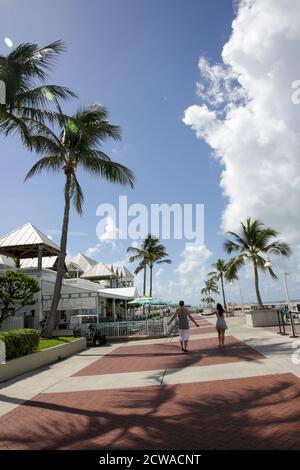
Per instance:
x=20, y=342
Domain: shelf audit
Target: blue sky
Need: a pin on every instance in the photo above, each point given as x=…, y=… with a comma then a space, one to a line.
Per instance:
x=139, y=58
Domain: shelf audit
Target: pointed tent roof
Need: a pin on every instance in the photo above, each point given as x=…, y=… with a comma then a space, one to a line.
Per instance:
x=99, y=271
x=124, y=273
x=84, y=262
x=24, y=241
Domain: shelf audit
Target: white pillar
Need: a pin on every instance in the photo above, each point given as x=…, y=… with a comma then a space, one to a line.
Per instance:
x=114, y=309
x=125, y=308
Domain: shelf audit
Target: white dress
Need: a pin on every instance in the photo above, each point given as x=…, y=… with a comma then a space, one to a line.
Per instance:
x=221, y=323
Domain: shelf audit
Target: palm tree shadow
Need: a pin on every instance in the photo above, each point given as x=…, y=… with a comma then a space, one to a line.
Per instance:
x=163, y=417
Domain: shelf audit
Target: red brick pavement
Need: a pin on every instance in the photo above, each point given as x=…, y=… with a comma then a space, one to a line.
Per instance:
x=203, y=331
x=167, y=355
x=248, y=413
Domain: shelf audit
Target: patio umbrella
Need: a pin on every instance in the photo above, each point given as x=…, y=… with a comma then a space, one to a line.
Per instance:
x=157, y=301
x=141, y=301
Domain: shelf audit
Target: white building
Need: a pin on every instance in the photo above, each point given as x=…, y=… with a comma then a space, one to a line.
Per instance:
x=90, y=287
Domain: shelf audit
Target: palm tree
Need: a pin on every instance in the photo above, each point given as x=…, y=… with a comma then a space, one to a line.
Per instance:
x=76, y=147
x=210, y=287
x=151, y=252
x=24, y=72
x=140, y=254
x=156, y=255
x=251, y=244
x=218, y=275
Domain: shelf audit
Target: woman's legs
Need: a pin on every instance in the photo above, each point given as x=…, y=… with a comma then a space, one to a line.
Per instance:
x=223, y=337
x=185, y=345
x=220, y=337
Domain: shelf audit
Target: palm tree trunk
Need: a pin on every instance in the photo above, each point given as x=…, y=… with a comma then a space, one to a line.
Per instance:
x=145, y=279
x=223, y=292
x=52, y=317
x=257, y=286
x=151, y=270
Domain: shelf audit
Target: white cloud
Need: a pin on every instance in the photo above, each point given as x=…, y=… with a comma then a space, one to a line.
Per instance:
x=249, y=120
x=189, y=275
x=108, y=236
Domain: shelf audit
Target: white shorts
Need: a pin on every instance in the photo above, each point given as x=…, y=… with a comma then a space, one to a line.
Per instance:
x=184, y=335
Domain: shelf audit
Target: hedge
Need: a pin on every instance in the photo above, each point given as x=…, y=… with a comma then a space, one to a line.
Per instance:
x=20, y=342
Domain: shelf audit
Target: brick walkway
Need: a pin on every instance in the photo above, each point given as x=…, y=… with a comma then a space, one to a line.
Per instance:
x=151, y=396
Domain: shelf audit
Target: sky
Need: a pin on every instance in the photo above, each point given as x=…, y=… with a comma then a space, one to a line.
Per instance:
x=201, y=90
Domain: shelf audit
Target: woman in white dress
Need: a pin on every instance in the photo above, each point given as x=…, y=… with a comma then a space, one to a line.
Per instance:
x=221, y=325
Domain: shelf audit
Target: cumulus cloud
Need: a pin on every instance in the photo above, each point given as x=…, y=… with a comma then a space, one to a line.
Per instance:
x=189, y=275
x=247, y=117
x=108, y=236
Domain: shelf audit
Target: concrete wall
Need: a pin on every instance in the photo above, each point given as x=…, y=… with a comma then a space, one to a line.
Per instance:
x=24, y=364
x=266, y=317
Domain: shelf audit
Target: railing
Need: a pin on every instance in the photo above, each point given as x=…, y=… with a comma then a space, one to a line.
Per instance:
x=158, y=327
x=11, y=323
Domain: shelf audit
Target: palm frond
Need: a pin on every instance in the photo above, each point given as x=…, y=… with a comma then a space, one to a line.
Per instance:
x=52, y=164
x=77, y=195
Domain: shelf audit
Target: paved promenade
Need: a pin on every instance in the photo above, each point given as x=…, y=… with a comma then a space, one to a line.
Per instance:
x=149, y=395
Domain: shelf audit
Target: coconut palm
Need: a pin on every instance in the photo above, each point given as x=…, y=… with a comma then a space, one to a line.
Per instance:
x=156, y=255
x=24, y=72
x=210, y=287
x=140, y=254
x=151, y=252
x=254, y=240
x=76, y=147
x=219, y=273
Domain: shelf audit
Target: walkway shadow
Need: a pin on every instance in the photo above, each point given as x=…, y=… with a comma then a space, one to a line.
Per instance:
x=257, y=413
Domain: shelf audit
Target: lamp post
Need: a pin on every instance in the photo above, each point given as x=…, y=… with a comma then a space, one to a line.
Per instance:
x=268, y=264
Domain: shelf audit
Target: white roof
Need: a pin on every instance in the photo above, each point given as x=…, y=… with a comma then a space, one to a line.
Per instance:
x=84, y=262
x=126, y=274
x=124, y=292
x=122, y=272
x=26, y=235
x=47, y=262
x=98, y=271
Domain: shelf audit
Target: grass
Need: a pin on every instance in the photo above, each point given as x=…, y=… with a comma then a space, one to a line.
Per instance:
x=49, y=343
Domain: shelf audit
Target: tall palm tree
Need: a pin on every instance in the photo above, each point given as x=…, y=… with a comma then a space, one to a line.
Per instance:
x=140, y=254
x=24, y=72
x=156, y=255
x=210, y=287
x=151, y=252
x=219, y=273
x=254, y=240
x=76, y=147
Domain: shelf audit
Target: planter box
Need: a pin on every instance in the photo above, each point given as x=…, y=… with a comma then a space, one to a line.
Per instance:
x=24, y=364
x=266, y=317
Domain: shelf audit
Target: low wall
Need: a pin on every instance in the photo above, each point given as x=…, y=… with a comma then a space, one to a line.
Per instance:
x=24, y=364
x=265, y=317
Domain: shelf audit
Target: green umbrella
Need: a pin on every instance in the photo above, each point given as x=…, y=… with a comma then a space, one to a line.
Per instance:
x=141, y=301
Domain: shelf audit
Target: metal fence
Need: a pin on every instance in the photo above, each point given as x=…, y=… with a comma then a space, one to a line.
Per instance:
x=11, y=323
x=157, y=327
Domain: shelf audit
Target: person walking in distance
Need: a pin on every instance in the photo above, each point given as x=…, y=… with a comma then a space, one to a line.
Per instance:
x=221, y=325
x=183, y=316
